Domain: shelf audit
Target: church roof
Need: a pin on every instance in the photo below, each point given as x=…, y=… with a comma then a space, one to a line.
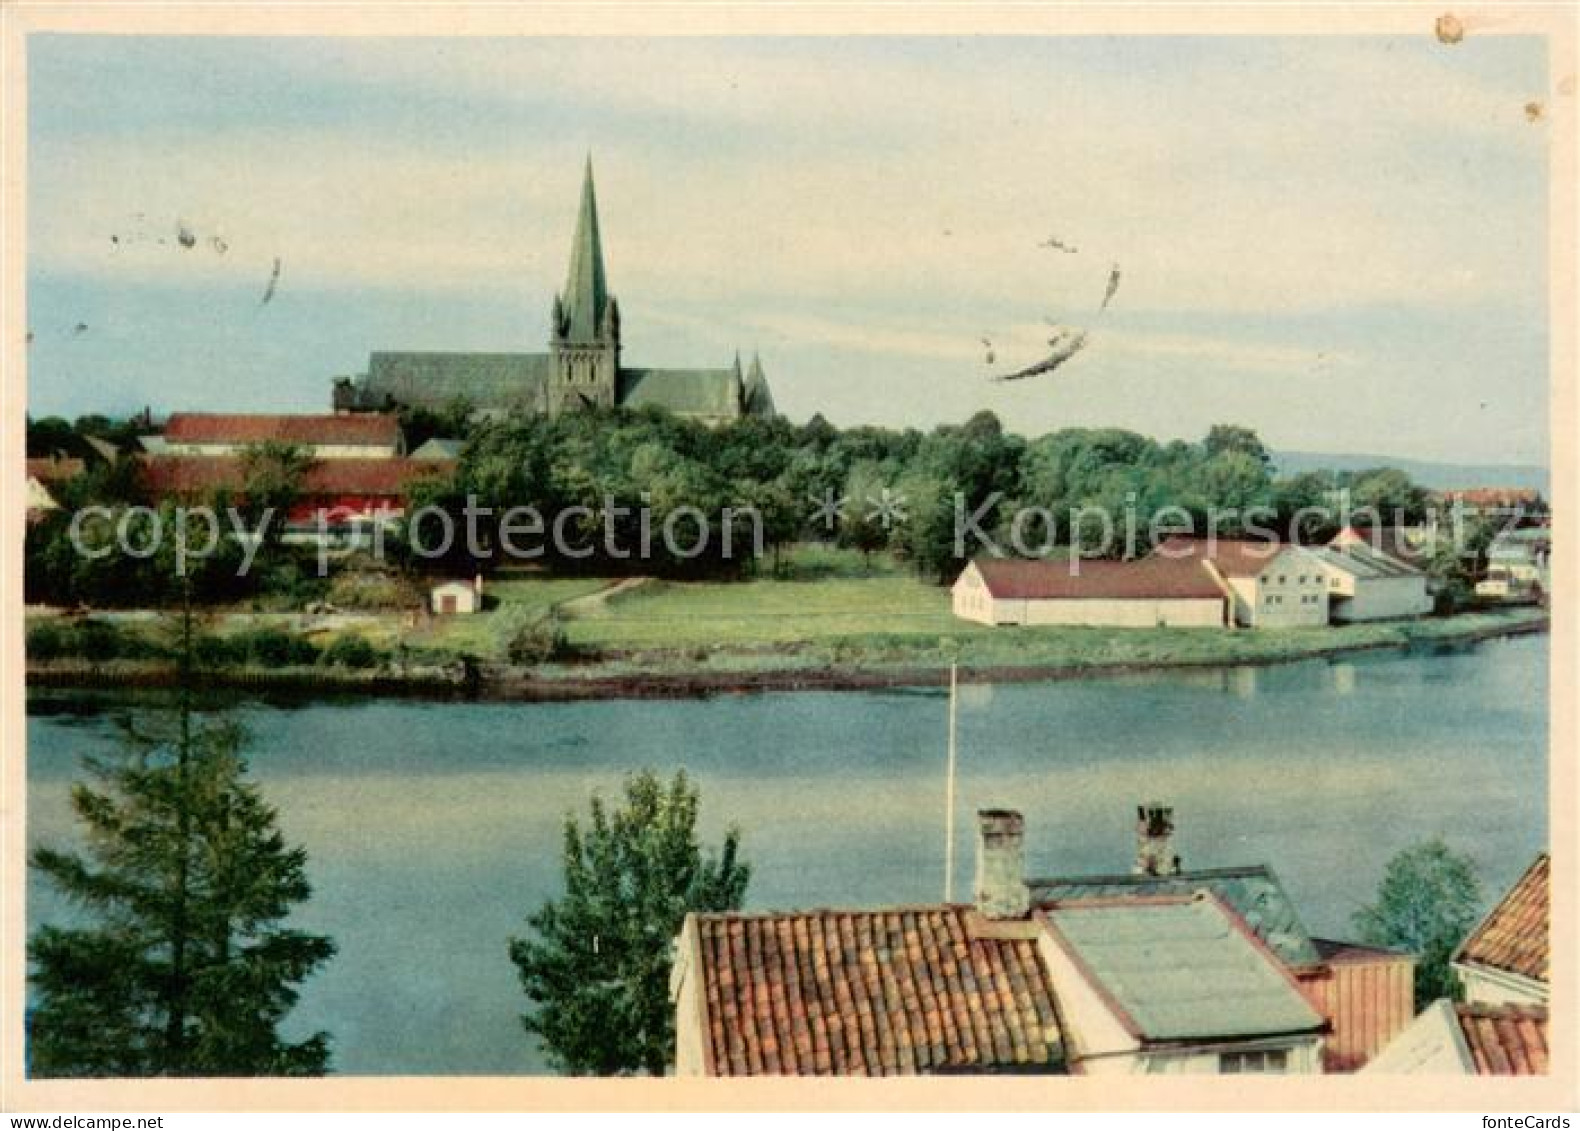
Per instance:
x=436, y=380
x=759, y=401
x=586, y=290
x=685, y=392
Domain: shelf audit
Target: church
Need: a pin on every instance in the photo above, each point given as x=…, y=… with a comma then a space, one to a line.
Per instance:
x=582, y=368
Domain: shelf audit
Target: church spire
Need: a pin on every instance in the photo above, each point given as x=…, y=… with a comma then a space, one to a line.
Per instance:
x=586, y=292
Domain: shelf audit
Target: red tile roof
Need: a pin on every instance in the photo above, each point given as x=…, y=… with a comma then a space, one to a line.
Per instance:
x=1062, y=578
x=1505, y=1040
x=51, y=470
x=1492, y=496
x=202, y=475
x=872, y=993
x=1233, y=557
x=216, y=428
x=1513, y=938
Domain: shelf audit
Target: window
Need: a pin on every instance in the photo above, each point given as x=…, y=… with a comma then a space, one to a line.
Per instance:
x=1259, y=1062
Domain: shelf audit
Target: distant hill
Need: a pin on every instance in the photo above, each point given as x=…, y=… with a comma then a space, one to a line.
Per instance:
x=1428, y=474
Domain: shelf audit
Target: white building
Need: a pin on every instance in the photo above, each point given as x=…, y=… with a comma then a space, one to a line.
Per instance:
x=1138, y=983
x=1465, y=1039
x=1272, y=584
x=1148, y=593
x=451, y=598
x=1175, y=985
x=1365, y=585
x=1504, y=960
x=365, y=436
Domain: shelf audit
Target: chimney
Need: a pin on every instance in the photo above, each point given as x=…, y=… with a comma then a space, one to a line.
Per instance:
x=1155, y=841
x=1000, y=888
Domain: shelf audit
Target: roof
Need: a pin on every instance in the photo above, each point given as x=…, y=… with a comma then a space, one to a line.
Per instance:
x=1092, y=578
x=1492, y=496
x=190, y=475
x=586, y=290
x=1392, y=541
x=53, y=470
x=437, y=448
x=218, y=428
x=695, y=392
x=1365, y=564
x=438, y=380
x=759, y=400
x=1513, y=936
x=1253, y=892
x=871, y=993
x=1178, y=968
x=1233, y=557
x=1505, y=1040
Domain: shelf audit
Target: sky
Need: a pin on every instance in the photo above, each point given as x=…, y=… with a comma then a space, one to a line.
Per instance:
x=1339, y=242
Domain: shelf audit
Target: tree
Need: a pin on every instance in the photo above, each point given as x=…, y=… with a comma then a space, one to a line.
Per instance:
x=183, y=966
x=1225, y=438
x=273, y=473
x=597, y=965
x=1426, y=904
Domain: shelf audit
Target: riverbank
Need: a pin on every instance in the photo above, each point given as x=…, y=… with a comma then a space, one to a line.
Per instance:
x=854, y=662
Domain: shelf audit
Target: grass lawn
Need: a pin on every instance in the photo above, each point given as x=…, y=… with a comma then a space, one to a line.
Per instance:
x=512, y=602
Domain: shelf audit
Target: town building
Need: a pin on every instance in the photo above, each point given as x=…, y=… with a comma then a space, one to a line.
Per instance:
x=1411, y=545
x=1465, y=1039
x=1271, y=584
x=44, y=477
x=1500, y=1029
x=326, y=437
x=1365, y=584
x=1491, y=502
x=453, y=598
x=1147, y=593
x=339, y=500
x=1504, y=960
x=1517, y=565
x=438, y=448
x=583, y=367
x=1158, y=971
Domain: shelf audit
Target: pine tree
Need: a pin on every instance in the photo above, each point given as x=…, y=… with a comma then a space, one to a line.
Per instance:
x=183, y=965
x=598, y=967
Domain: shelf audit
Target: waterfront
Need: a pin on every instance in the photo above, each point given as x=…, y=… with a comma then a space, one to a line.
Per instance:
x=433, y=828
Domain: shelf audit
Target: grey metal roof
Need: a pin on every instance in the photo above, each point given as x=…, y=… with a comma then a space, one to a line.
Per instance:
x=689, y=392
x=1254, y=892
x=436, y=448
x=1182, y=969
x=437, y=380
x=1364, y=563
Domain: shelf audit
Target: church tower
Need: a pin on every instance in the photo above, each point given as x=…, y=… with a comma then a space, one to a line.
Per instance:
x=584, y=336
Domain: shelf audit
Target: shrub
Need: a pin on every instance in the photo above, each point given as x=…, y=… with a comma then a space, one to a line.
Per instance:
x=98, y=640
x=276, y=648
x=210, y=651
x=538, y=642
x=351, y=651
x=48, y=641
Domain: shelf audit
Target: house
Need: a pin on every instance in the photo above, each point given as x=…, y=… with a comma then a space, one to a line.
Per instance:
x=1505, y=958
x=343, y=499
x=1272, y=584
x=1174, y=984
x=583, y=367
x=1365, y=585
x=1466, y=1039
x=1366, y=994
x=1412, y=545
x=437, y=448
x=44, y=476
x=1161, y=971
x=1148, y=593
x=325, y=437
x=1517, y=565
x=1491, y=502
x=449, y=598
x=1501, y=1027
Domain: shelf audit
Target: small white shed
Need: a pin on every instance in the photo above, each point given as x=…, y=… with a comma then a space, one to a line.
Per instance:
x=450, y=598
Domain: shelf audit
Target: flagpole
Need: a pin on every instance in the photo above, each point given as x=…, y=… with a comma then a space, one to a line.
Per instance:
x=949, y=798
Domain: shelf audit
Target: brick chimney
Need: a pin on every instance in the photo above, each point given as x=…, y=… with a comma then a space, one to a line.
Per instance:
x=1155, y=842
x=1000, y=890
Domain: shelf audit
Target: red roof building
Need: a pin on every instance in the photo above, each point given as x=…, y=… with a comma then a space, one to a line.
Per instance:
x=336, y=489
x=370, y=435
x=1469, y=1040
x=1147, y=593
x=1505, y=957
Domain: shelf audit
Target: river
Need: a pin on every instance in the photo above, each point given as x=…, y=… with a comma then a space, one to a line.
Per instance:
x=434, y=828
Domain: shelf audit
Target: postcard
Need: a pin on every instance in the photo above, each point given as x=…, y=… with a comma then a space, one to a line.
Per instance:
x=582, y=557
